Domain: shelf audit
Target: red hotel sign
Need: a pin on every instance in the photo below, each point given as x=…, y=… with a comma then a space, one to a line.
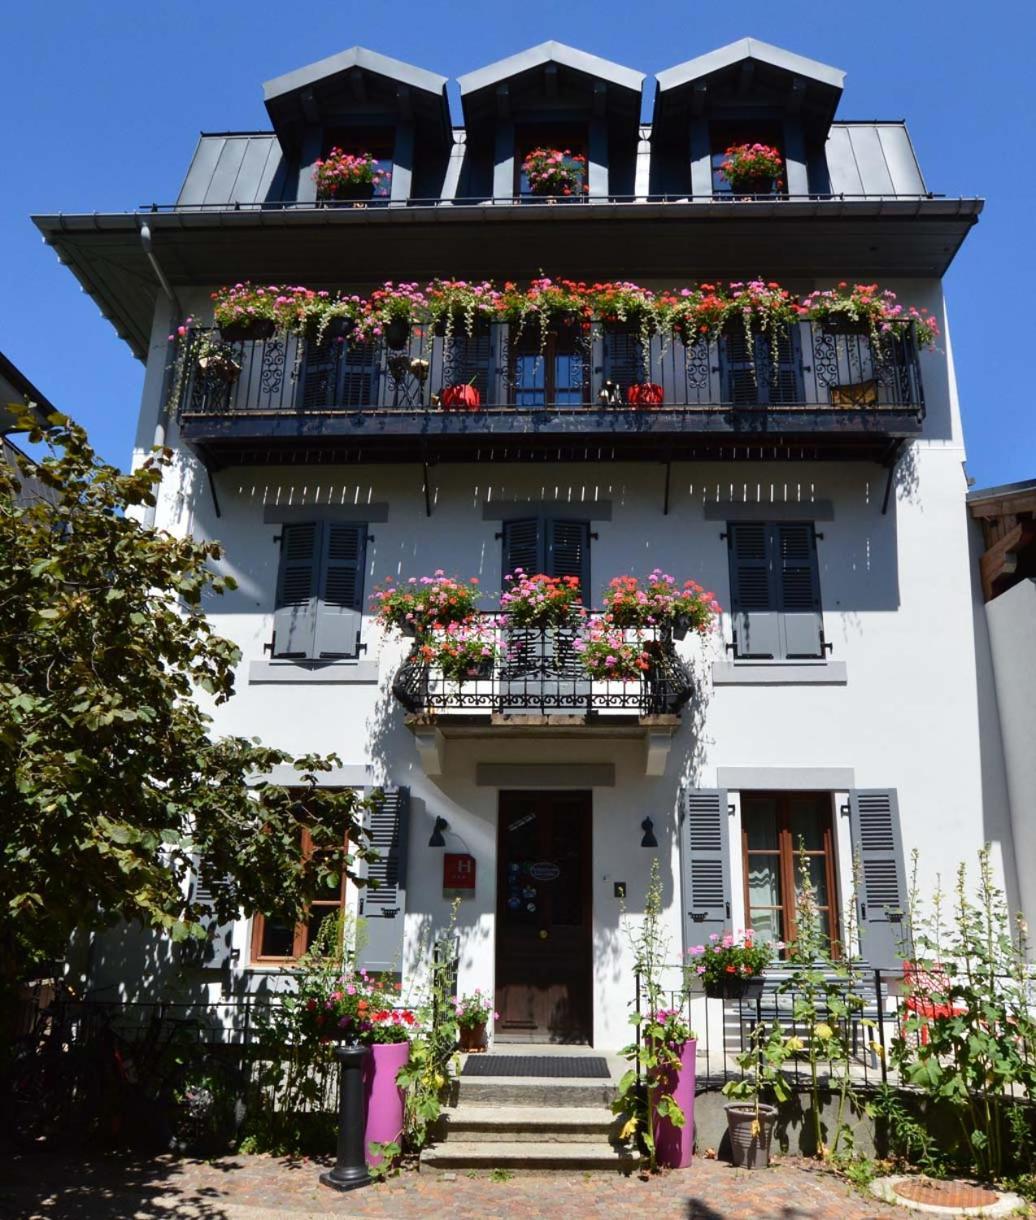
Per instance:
x=458, y=875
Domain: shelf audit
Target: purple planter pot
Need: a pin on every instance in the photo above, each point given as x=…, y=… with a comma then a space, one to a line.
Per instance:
x=383, y=1096
x=674, y=1146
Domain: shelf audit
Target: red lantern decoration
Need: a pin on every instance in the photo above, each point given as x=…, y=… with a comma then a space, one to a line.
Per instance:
x=645, y=394
x=461, y=398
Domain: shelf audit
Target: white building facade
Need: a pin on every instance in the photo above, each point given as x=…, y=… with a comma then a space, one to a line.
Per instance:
x=843, y=702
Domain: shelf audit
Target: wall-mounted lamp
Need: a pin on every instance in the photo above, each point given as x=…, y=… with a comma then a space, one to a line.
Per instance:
x=648, y=827
x=437, y=840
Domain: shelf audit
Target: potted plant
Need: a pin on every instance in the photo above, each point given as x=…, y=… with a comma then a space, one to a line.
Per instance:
x=472, y=1013
x=731, y=967
x=539, y=600
x=752, y=169
x=692, y=314
x=419, y=604
x=341, y=175
x=553, y=306
x=244, y=312
x=750, y=1121
x=672, y=1080
x=216, y=358
x=867, y=309
x=661, y=602
x=555, y=172
x=623, y=306
x=393, y=310
x=389, y=1038
x=457, y=306
x=462, y=652
x=461, y=397
x=607, y=655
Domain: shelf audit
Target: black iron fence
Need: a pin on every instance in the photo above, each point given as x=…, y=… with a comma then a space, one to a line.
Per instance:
x=806, y=370
x=540, y=671
x=867, y=1010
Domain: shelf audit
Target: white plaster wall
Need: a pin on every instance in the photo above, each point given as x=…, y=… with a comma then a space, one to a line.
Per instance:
x=898, y=609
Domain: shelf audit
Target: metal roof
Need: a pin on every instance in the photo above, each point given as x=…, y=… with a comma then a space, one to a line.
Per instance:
x=17, y=391
x=545, y=53
x=1004, y=492
x=354, y=57
x=748, y=48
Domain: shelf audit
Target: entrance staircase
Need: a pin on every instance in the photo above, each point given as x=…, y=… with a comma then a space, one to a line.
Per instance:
x=532, y=1122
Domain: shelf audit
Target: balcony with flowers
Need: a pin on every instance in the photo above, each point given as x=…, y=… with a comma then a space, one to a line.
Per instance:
x=455, y=367
x=543, y=663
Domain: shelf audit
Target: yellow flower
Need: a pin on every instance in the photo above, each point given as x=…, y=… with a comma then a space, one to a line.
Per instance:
x=824, y=1032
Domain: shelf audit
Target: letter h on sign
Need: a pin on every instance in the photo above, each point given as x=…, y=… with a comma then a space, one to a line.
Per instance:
x=458, y=875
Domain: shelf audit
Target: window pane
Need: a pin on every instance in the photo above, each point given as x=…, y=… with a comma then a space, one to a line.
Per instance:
x=764, y=883
x=817, y=874
x=529, y=379
x=806, y=822
x=759, y=818
x=766, y=924
x=317, y=915
x=568, y=379
x=278, y=938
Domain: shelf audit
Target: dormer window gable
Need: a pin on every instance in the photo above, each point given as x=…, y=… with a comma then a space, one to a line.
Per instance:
x=362, y=127
x=746, y=94
x=551, y=123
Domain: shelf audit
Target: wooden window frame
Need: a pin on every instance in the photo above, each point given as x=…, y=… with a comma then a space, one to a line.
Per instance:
x=787, y=863
x=556, y=346
x=299, y=941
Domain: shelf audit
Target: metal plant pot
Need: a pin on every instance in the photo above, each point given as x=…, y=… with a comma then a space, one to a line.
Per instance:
x=397, y=333
x=749, y=1141
x=255, y=328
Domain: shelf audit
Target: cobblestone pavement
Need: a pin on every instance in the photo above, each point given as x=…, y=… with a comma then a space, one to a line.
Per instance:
x=268, y=1188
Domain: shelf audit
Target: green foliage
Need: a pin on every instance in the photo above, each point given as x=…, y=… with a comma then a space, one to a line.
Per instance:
x=968, y=1040
x=111, y=781
x=654, y=1052
x=501, y=1175
x=908, y=1137
x=762, y=1063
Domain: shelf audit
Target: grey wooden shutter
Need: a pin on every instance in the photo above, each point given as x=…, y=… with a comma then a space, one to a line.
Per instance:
x=753, y=593
x=295, y=613
x=216, y=951
x=739, y=363
x=320, y=376
x=383, y=905
x=340, y=609
x=798, y=580
x=523, y=546
x=471, y=361
x=783, y=377
x=340, y=374
x=568, y=552
x=878, y=848
x=623, y=358
x=705, y=864
x=752, y=376
x=359, y=374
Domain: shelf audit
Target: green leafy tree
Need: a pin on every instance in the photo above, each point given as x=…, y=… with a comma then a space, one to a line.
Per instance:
x=111, y=781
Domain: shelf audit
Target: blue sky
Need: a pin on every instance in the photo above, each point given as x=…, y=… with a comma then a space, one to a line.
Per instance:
x=102, y=105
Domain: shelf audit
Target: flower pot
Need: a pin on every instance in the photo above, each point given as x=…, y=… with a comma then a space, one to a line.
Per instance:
x=383, y=1096
x=472, y=673
x=345, y=191
x=749, y=1140
x=339, y=327
x=735, y=988
x=674, y=1145
x=844, y=326
x=459, y=325
x=222, y=368
x=461, y=398
x=645, y=394
x=473, y=1037
x=566, y=324
x=242, y=330
x=681, y=625
x=761, y=185
x=396, y=333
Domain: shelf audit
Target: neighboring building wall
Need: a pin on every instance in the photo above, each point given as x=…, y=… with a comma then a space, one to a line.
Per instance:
x=1012, y=635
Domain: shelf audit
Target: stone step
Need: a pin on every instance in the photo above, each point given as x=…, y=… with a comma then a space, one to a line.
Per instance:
x=518, y=1155
x=535, y=1091
x=530, y=1124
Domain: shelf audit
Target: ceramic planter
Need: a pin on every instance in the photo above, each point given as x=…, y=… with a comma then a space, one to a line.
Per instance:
x=749, y=1142
x=473, y=1037
x=461, y=398
x=384, y=1098
x=254, y=328
x=645, y=394
x=674, y=1146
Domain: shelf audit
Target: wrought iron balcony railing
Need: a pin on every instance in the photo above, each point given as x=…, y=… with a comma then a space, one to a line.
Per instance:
x=540, y=673
x=809, y=378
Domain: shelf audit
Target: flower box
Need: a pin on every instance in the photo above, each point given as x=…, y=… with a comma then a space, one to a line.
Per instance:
x=243, y=331
x=735, y=988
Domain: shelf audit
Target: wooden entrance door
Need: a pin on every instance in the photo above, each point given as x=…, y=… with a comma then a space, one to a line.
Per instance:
x=544, y=926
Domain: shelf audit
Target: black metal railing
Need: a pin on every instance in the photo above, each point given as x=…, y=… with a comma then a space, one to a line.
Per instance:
x=874, y=1009
x=539, y=671
x=806, y=372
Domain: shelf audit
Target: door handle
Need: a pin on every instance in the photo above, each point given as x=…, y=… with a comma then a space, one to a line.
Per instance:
x=544, y=934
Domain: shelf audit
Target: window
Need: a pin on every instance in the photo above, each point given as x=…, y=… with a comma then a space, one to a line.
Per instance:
x=278, y=940
x=725, y=135
x=378, y=141
x=547, y=135
x=556, y=376
x=778, y=832
x=552, y=546
x=337, y=374
x=775, y=591
x=319, y=606
x=751, y=375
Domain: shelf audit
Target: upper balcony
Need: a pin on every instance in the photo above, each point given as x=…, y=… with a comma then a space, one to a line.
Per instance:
x=593, y=392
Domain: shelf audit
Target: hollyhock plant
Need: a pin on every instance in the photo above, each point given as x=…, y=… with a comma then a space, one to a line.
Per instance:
x=555, y=171
x=729, y=959
x=607, y=655
x=340, y=171
x=539, y=600
x=461, y=650
x=750, y=164
x=417, y=605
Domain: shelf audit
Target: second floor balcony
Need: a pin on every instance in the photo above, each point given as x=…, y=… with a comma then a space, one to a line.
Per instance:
x=591, y=391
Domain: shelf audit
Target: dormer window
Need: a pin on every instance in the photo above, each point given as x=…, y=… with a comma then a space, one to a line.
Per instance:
x=725, y=136
x=551, y=162
x=375, y=143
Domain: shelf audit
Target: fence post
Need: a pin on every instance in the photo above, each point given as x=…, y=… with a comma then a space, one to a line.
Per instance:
x=881, y=1026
